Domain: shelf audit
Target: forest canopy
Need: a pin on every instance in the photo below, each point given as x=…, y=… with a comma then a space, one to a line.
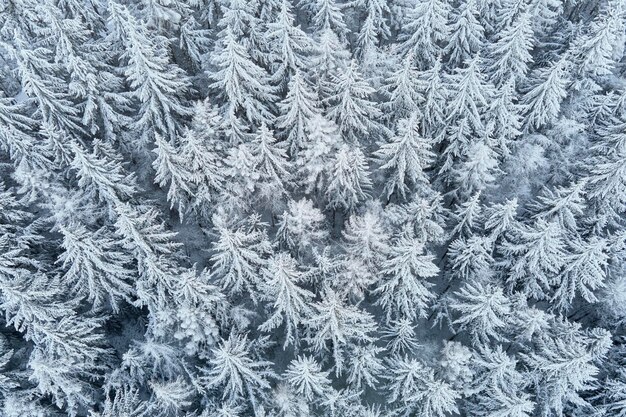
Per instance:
x=299, y=208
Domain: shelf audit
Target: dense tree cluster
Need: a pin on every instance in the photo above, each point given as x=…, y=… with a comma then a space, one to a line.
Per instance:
x=363, y=208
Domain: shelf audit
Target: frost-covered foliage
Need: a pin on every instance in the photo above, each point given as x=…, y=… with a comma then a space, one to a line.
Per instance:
x=298, y=208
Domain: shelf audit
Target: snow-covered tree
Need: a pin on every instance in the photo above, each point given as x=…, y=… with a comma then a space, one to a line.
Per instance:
x=301, y=227
x=351, y=106
x=336, y=326
x=271, y=167
x=404, y=291
x=296, y=112
x=171, y=168
x=306, y=377
x=316, y=162
x=401, y=337
x=238, y=257
x=95, y=266
x=242, y=85
x=236, y=373
x=290, y=302
x=470, y=259
x=416, y=389
x=510, y=55
x=505, y=117
x=405, y=158
x=424, y=30
x=366, y=239
x=157, y=84
x=467, y=33
x=350, y=180
x=534, y=256
x=595, y=49
x=470, y=93
x=328, y=16
x=584, y=271
x=547, y=90
x=564, y=366
x=365, y=367
x=403, y=89
x=434, y=108
x=289, y=46
x=328, y=62
x=202, y=160
x=482, y=310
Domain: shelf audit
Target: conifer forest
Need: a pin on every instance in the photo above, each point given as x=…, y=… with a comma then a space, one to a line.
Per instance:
x=312, y=208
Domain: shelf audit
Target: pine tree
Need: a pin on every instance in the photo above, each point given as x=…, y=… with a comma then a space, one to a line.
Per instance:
x=289, y=47
x=290, y=302
x=306, y=377
x=401, y=336
x=423, y=215
x=404, y=291
x=350, y=182
x=470, y=259
x=505, y=115
x=469, y=94
x=157, y=84
x=543, y=99
x=365, y=367
x=236, y=372
x=243, y=86
x=335, y=326
x=403, y=88
x=238, y=17
x=534, y=256
x=564, y=205
x=271, y=166
x=510, y=55
x=351, y=107
x=405, y=158
x=328, y=16
x=171, y=167
x=205, y=168
x=564, y=367
x=301, y=227
x=193, y=40
x=373, y=30
x=366, y=244
x=483, y=310
x=296, y=112
x=17, y=130
x=456, y=364
x=606, y=175
x=163, y=15
x=545, y=14
x=367, y=239
x=242, y=174
x=111, y=183
x=328, y=63
x=584, y=271
x=595, y=49
x=42, y=85
x=238, y=257
x=424, y=30
x=95, y=266
x=477, y=169
x=468, y=217
x=419, y=391
x=434, y=108
x=316, y=162
x=467, y=34
x=500, y=218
